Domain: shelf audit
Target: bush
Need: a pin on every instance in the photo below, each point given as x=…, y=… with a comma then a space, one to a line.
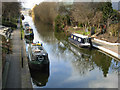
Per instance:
x=58, y=23
x=57, y=27
x=114, y=29
x=9, y=24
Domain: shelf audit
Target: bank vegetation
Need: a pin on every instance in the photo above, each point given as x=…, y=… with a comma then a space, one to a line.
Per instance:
x=10, y=13
x=93, y=19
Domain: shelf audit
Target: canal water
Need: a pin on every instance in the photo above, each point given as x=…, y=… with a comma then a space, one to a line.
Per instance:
x=71, y=67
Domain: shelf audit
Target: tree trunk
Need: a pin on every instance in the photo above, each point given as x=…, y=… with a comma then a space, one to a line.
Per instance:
x=108, y=23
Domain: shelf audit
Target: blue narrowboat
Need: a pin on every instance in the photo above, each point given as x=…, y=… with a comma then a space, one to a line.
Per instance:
x=80, y=40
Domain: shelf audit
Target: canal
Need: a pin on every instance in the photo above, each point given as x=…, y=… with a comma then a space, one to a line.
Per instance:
x=71, y=67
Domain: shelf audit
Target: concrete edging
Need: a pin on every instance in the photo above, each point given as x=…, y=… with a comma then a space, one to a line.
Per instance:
x=108, y=51
x=106, y=42
x=26, y=78
x=5, y=74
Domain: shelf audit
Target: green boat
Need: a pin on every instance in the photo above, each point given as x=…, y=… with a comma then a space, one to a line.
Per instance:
x=37, y=56
x=29, y=33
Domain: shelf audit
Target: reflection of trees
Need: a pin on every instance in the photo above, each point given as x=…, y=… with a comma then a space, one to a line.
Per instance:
x=87, y=60
x=84, y=61
x=115, y=65
x=83, y=65
x=103, y=62
x=45, y=12
x=61, y=36
x=46, y=31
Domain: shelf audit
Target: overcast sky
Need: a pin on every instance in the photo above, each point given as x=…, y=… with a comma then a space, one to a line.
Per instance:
x=31, y=3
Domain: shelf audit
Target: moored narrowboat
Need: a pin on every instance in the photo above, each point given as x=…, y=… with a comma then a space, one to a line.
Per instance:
x=37, y=56
x=25, y=25
x=80, y=40
x=29, y=33
x=29, y=40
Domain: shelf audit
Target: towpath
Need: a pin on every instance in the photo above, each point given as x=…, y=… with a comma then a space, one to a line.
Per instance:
x=14, y=73
x=114, y=50
x=17, y=74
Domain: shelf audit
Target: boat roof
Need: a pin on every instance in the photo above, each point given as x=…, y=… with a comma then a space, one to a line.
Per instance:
x=36, y=44
x=25, y=22
x=79, y=35
x=36, y=50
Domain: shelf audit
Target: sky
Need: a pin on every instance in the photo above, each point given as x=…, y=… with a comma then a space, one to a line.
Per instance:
x=30, y=3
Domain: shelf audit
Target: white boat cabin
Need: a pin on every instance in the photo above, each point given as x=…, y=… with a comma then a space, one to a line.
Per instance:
x=80, y=39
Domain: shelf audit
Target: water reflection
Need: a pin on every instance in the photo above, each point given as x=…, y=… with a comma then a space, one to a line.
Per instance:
x=83, y=63
x=46, y=32
x=87, y=61
x=40, y=78
x=103, y=62
x=71, y=67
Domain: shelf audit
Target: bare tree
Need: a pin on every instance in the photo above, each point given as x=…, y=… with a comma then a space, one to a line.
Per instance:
x=10, y=9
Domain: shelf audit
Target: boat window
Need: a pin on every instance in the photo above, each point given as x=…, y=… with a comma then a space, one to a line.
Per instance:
x=79, y=39
x=40, y=58
x=74, y=38
x=37, y=51
x=26, y=25
x=86, y=40
x=71, y=36
x=31, y=29
x=40, y=48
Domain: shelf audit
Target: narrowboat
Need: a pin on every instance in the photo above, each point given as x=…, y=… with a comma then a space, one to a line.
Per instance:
x=25, y=25
x=80, y=40
x=29, y=33
x=29, y=40
x=37, y=56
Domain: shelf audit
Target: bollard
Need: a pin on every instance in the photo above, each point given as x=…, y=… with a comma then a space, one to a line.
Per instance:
x=90, y=41
x=21, y=34
x=22, y=62
x=22, y=57
x=8, y=49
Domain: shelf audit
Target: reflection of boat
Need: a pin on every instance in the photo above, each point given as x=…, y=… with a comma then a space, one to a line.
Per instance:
x=29, y=32
x=61, y=47
x=40, y=78
x=38, y=57
x=80, y=40
x=80, y=54
x=83, y=61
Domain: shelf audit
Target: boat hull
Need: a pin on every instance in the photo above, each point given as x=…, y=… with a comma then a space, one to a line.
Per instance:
x=31, y=36
x=35, y=65
x=76, y=43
